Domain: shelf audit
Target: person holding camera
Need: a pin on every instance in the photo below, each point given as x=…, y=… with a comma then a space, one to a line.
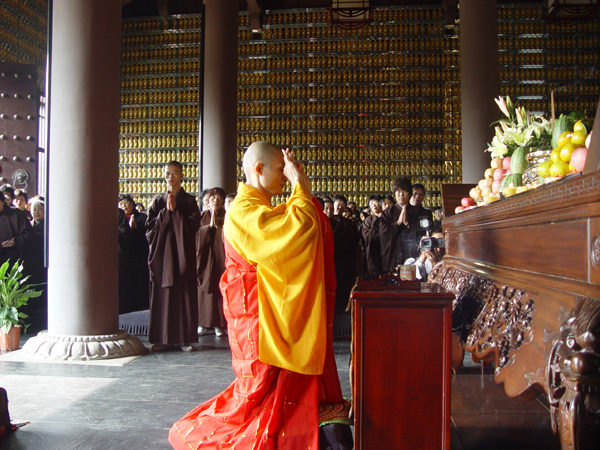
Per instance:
x=432, y=249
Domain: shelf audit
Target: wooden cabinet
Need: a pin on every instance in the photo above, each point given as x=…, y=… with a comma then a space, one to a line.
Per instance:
x=401, y=366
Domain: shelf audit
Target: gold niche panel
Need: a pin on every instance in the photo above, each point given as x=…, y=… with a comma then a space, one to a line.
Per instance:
x=359, y=107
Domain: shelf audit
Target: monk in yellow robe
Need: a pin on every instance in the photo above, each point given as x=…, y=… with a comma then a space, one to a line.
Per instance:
x=278, y=297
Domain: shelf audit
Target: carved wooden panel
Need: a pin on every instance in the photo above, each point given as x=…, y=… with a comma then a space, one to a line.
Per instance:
x=494, y=319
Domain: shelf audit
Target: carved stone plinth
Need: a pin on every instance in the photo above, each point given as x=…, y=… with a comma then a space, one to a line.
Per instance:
x=46, y=346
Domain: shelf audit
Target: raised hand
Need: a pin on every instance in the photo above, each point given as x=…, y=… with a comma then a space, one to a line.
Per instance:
x=402, y=219
x=294, y=171
x=171, y=203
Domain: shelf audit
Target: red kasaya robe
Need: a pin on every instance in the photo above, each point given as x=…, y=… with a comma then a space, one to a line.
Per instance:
x=266, y=407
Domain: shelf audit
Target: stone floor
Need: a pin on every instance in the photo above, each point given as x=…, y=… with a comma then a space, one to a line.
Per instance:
x=131, y=407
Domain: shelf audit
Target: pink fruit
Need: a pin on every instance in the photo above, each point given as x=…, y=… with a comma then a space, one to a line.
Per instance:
x=499, y=174
x=508, y=172
x=506, y=163
x=496, y=185
x=467, y=201
x=458, y=209
x=578, y=158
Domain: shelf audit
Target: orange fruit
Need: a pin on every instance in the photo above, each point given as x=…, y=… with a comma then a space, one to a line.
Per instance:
x=564, y=138
x=555, y=155
x=565, y=152
x=578, y=138
x=544, y=168
x=559, y=169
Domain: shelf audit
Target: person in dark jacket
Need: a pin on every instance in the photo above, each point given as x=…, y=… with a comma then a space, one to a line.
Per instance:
x=134, y=288
x=345, y=246
x=399, y=228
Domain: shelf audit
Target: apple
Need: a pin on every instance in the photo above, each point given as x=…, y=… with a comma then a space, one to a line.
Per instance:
x=496, y=163
x=475, y=193
x=467, y=201
x=506, y=163
x=578, y=158
x=487, y=190
x=458, y=209
x=489, y=173
x=496, y=185
x=499, y=174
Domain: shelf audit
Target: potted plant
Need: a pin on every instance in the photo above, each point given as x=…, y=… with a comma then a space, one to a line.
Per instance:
x=15, y=292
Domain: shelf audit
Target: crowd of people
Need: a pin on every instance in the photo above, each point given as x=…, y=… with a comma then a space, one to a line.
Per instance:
x=160, y=270
x=171, y=258
x=382, y=236
x=22, y=238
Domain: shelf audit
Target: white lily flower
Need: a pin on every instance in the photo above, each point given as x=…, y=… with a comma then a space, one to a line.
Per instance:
x=521, y=116
x=502, y=105
x=518, y=129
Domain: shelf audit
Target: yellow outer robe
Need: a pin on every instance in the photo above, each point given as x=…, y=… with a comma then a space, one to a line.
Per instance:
x=285, y=245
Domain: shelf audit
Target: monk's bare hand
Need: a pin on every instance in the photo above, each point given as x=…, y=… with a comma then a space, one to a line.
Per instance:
x=171, y=203
x=294, y=171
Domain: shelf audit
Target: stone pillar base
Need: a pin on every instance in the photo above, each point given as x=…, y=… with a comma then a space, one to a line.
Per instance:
x=83, y=348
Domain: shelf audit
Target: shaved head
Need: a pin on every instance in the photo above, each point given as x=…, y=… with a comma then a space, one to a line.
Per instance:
x=264, y=165
x=259, y=152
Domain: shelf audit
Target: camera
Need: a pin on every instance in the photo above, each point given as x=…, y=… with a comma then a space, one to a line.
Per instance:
x=427, y=243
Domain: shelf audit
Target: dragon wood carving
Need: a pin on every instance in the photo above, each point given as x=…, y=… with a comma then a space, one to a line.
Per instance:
x=574, y=377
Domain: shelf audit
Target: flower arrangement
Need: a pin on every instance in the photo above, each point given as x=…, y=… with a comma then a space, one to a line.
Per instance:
x=519, y=129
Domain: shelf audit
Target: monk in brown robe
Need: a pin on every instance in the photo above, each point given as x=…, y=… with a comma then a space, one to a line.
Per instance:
x=134, y=286
x=210, y=263
x=173, y=220
x=370, y=234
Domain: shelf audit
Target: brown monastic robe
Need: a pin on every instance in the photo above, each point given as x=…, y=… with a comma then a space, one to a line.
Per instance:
x=370, y=233
x=172, y=263
x=210, y=263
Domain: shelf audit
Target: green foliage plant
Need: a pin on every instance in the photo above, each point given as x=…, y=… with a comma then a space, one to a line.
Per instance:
x=15, y=292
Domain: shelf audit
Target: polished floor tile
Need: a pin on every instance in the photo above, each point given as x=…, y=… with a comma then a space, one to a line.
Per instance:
x=133, y=406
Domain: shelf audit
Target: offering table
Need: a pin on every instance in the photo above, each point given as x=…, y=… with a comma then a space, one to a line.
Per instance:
x=526, y=274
